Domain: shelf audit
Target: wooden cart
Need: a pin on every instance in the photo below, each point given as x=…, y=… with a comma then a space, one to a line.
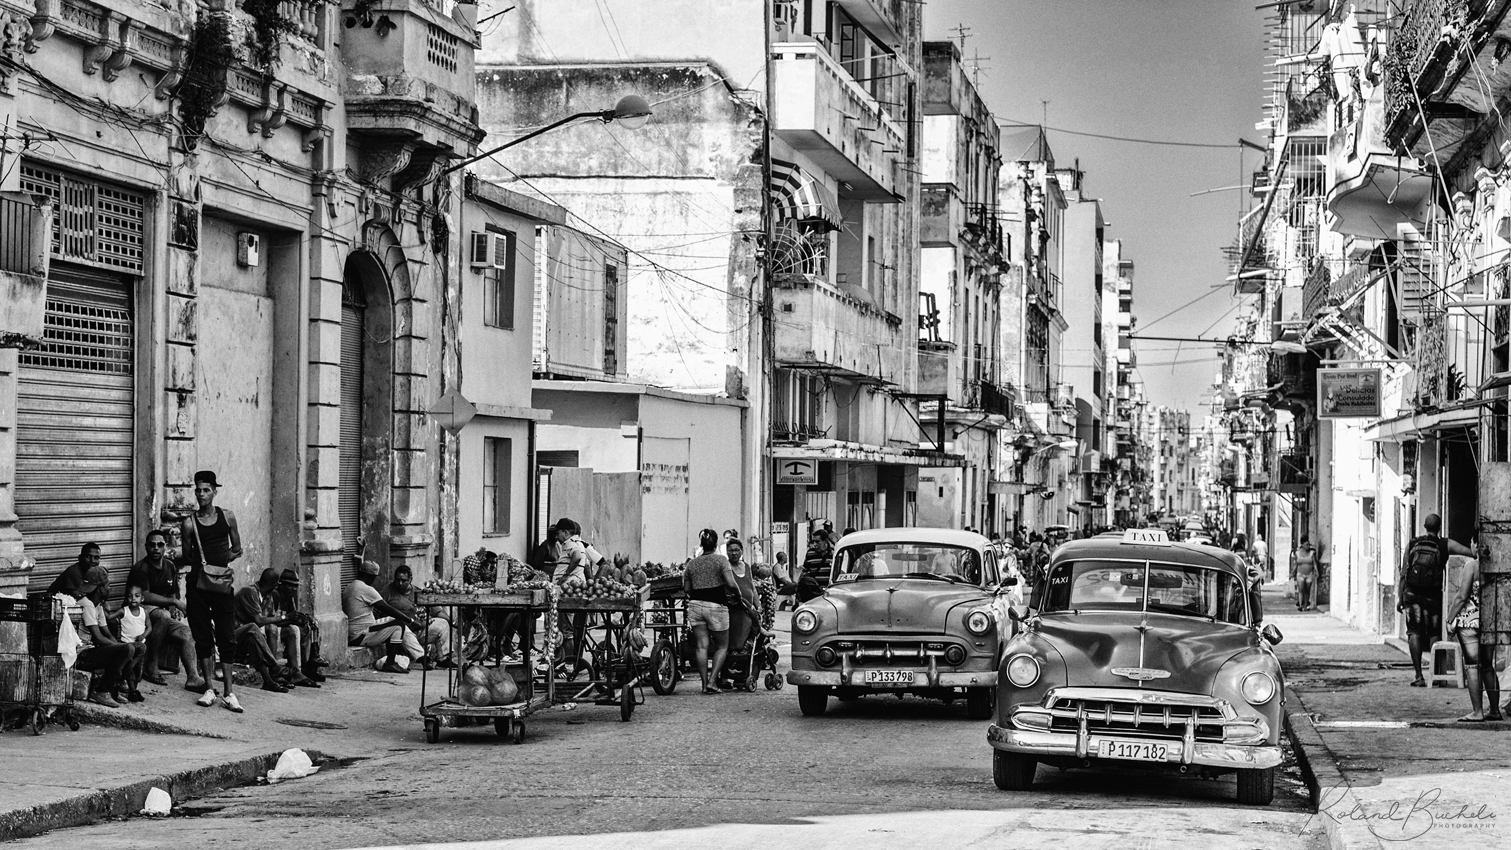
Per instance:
x=614, y=668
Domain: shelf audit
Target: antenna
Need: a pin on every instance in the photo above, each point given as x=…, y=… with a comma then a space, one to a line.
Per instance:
x=1044, y=113
x=978, y=66
x=961, y=32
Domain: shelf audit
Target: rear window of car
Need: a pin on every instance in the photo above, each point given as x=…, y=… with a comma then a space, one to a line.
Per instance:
x=897, y=559
x=1137, y=586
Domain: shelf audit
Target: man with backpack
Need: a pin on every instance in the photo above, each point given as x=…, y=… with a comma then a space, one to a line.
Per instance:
x=1422, y=589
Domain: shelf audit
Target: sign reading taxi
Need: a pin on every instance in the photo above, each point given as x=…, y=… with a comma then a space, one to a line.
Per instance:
x=1146, y=535
x=795, y=470
x=1348, y=393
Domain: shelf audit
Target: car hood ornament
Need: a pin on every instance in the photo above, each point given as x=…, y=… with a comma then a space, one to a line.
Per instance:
x=1140, y=674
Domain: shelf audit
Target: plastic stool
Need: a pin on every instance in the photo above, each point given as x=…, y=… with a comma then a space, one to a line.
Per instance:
x=1447, y=669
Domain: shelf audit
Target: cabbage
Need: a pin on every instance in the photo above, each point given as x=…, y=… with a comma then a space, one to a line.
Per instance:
x=476, y=674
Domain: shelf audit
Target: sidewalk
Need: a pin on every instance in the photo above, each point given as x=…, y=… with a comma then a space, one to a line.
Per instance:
x=1390, y=761
x=105, y=769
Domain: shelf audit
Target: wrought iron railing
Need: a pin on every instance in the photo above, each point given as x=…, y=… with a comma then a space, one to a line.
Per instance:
x=997, y=400
x=1425, y=26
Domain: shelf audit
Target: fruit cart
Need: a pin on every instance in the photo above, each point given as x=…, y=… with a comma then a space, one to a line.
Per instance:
x=36, y=682
x=671, y=642
x=606, y=669
x=535, y=692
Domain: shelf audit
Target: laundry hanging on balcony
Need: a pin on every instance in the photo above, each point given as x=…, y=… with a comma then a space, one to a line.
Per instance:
x=798, y=197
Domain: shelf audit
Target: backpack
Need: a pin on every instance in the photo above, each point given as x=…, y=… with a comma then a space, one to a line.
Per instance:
x=1424, y=566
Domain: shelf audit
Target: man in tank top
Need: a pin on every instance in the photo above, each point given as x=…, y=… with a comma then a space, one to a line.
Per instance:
x=210, y=536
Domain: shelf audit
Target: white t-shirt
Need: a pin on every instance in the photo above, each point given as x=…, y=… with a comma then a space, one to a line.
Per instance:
x=1261, y=550
x=93, y=615
x=358, y=602
x=133, y=626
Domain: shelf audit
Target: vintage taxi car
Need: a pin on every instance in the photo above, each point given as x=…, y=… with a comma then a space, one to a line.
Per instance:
x=908, y=610
x=1138, y=650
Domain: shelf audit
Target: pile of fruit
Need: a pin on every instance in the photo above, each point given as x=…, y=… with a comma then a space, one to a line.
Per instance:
x=521, y=573
x=450, y=586
x=624, y=573
x=602, y=587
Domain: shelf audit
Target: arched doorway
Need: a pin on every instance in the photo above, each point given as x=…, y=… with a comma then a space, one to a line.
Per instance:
x=366, y=421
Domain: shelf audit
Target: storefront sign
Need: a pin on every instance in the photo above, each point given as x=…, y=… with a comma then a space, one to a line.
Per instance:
x=1348, y=393
x=791, y=470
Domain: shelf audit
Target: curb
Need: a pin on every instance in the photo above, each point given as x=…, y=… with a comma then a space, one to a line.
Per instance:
x=1328, y=788
x=125, y=800
x=101, y=716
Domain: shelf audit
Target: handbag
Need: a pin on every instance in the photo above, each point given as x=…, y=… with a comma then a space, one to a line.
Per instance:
x=213, y=578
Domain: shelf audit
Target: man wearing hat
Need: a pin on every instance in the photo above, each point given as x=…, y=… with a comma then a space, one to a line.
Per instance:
x=298, y=635
x=212, y=542
x=157, y=574
x=364, y=605
x=99, y=650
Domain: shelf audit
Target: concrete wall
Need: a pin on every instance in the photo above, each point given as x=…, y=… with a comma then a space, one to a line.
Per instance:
x=516, y=541
x=717, y=488
x=492, y=356
x=605, y=449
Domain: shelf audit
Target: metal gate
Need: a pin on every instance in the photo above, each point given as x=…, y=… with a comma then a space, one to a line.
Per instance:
x=75, y=437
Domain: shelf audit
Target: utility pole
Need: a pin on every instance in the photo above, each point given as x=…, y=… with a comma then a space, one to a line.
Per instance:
x=961, y=32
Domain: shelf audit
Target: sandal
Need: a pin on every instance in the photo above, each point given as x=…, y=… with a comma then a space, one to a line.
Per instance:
x=1495, y=717
x=1470, y=718
x=1419, y=683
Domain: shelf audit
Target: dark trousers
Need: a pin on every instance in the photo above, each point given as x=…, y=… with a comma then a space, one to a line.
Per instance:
x=212, y=619
x=108, y=663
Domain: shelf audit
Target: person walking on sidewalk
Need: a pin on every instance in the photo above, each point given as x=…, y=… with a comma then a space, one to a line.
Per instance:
x=1462, y=607
x=212, y=542
x=1304, y=567
x=1422, y=589
x=710, y=584
x=158, y=575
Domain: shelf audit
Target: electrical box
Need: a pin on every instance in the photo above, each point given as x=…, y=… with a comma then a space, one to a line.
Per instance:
x=248, y=249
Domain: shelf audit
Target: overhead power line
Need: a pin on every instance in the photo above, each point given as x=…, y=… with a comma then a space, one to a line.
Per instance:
x=1007, y=122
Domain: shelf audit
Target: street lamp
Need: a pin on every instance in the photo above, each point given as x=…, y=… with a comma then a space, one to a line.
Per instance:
x=1288, y=343
x=631, y=112
x=1063, y=445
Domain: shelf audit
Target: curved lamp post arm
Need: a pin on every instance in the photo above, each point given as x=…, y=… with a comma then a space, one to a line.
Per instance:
x=632, y=111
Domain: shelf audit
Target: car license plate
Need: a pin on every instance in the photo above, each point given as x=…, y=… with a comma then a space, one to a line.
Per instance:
x=1133, y=750
x=889, y=678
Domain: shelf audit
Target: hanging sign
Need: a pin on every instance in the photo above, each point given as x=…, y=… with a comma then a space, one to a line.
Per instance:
x=792, y=470
x=1348, y=393
x=453, y=412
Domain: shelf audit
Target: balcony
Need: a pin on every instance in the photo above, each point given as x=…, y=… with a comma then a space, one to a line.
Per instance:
x=823, y=329
x=882, y=18
x=1428, y=78
x=942, y=217
x=409, y=84
x=941, y=371
x=820, y=109
x=997, y=400
x=1295, y=475
x=1373, y=190
x=983, y=232
x=24, y=242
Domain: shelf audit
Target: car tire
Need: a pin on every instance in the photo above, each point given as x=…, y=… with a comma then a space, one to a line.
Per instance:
x=1256, y=787
x=812, y=701
x=1013, y=771
x=980, y=703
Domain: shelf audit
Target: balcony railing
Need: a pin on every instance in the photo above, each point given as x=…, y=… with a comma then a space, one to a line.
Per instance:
x=819, y=326
x=1295, y=472
x=984, y=229
x=997, y=400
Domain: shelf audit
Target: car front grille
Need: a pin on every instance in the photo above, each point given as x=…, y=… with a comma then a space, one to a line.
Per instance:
x=1111, y=716
x=879, y=652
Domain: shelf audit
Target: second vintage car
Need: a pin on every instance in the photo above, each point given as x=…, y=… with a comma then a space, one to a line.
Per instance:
x=907, y=610
x=1139, y=651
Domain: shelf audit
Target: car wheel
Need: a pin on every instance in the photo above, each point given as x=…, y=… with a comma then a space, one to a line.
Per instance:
x=663, y=668
x=1013, y=771
x=1256, y=787
x=812, y=701
x=980, y=703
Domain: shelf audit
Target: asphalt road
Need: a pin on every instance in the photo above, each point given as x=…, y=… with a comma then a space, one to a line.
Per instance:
x=735, y=770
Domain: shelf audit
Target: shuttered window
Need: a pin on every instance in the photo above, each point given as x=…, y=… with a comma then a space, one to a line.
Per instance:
x=75, y=415
x=349, y=502
x=497, y=467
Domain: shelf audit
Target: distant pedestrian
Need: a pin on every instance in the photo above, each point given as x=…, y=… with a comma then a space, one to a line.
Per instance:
x=1463, y=611
x=708, y=582
x=158, y=576
x=212, y=542
x=1422, y=569
x=1304, y=568
x=1260, y=552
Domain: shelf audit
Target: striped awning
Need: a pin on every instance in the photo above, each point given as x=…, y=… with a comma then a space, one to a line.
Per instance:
x=797, y=196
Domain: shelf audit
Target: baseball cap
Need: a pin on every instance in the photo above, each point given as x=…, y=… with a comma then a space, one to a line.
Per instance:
x=368, y=568
x=205, y=476
x=96, y=577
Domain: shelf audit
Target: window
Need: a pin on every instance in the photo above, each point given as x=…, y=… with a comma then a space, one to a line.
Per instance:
x=1138, y=586
x=498, y=457
x=610, y=319
x=498, y=287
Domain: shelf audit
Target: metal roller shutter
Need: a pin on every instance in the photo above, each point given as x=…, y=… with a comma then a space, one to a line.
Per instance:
x=75, y=439
x=350, y=486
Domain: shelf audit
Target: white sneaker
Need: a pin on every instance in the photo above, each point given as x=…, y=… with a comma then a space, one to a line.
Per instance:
x=206, y=699
x=231, y=702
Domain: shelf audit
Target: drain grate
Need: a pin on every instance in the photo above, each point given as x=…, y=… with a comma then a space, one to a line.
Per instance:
x=310, y=724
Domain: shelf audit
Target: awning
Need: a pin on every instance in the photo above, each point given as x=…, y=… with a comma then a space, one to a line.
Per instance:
x=1412, y=426
x=797, y=196
x=862, y=453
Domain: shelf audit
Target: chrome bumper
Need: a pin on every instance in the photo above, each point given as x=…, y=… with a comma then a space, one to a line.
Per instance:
x=1180, y=750
x=921, y=679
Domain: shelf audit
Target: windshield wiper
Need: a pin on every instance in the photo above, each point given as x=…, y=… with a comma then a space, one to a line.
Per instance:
x=950, y=579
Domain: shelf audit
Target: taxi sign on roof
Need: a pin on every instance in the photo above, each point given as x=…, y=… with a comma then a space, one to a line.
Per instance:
x=1145, y=535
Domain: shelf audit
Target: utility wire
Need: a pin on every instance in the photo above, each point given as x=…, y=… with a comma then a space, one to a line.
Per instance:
x=1008, y=122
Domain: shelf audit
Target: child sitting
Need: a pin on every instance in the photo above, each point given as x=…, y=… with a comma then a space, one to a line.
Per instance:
x=134, y=628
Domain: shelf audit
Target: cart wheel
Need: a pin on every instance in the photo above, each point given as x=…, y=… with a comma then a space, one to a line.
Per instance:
x=664, y=668
x=517, y=734
x=626, y=703
x=38, y=720
x=771, y=682
x=432, y=730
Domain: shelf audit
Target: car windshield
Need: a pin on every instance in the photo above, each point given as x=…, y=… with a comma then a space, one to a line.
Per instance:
x=1105, y=585
x=899, y=558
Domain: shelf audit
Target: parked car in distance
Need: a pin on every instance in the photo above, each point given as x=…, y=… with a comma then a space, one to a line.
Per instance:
x=908, y=610
x=1141, y=651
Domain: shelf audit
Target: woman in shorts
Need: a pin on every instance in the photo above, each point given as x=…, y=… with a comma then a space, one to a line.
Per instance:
x=708, y=581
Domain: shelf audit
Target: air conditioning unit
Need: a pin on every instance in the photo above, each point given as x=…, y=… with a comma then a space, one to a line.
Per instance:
x=489, y=250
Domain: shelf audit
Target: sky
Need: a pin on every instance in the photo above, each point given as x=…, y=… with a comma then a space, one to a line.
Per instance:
x=1171, y=70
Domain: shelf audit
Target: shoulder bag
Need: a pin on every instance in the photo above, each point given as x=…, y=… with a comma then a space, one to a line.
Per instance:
x=213, y=578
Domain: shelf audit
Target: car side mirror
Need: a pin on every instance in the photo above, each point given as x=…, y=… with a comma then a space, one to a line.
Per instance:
x=1012, y=614
x=1010, y=581
x=1271, y=634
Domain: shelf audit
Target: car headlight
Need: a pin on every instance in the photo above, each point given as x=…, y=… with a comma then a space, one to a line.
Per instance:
x=804, y=621
x=1022, y=670
x=978, y=622
x=1258, y=688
